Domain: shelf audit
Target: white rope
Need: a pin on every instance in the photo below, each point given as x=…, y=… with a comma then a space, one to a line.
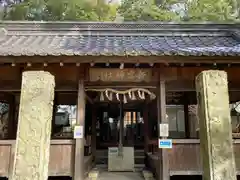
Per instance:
x=129, y=92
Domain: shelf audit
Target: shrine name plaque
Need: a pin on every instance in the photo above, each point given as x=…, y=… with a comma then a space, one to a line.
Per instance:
x=120, y=75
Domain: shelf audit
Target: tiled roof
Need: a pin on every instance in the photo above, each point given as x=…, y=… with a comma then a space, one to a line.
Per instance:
x=109, y=39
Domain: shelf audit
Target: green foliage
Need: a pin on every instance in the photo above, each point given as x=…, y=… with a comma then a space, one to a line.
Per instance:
x=193, y=10
x=142, y=10
x=60, y=10
x=212, y=10
x=129, y=10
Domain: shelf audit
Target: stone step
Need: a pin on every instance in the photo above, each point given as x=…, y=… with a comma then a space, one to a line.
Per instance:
x=104, y=167
x=136, y=157
x=138, y=152
x=139, y=161
x=148, y=175
x=93, y=174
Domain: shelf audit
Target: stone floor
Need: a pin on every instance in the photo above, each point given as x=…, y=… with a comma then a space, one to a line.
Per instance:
x=120, y=176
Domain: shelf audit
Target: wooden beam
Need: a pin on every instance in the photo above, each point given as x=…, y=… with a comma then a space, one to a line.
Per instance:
x=171, y=86
x=163, y=154
x=79, y=173
x=123, y=59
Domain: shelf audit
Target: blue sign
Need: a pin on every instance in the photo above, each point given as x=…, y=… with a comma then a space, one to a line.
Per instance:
x=165, y=143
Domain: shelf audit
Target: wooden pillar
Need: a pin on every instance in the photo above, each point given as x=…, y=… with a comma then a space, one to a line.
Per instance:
x=186, y=116
x=132, y=132
x=146, y=128
x=79, y=173
x=94, y=132
x=163, y=154
x=55, y=104
x=215, y=126
x=121, y=128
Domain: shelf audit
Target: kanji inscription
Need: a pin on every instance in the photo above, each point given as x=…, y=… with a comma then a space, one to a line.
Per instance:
x=120, y=75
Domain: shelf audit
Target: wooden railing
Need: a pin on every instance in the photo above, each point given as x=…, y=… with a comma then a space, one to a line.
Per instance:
x=185, y=157
x=61, y=157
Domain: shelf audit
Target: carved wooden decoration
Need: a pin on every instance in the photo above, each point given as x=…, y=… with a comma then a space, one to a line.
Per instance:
x=120, y=75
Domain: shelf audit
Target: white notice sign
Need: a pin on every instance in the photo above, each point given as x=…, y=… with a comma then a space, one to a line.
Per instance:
x=164, y=130
x=78, y=132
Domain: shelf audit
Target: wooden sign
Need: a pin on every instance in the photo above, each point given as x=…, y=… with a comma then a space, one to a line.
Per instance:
x=120, y=75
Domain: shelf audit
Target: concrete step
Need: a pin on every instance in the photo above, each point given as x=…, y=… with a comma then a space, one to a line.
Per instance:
x=105, y=152
x=105, y=161
x=138, y=167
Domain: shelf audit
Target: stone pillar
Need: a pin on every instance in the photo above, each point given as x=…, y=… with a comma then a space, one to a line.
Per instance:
x=31, y=157
x=215, y=126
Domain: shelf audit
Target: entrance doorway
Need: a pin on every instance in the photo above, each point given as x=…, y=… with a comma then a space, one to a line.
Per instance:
x=108, y=125
x=121, y=129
